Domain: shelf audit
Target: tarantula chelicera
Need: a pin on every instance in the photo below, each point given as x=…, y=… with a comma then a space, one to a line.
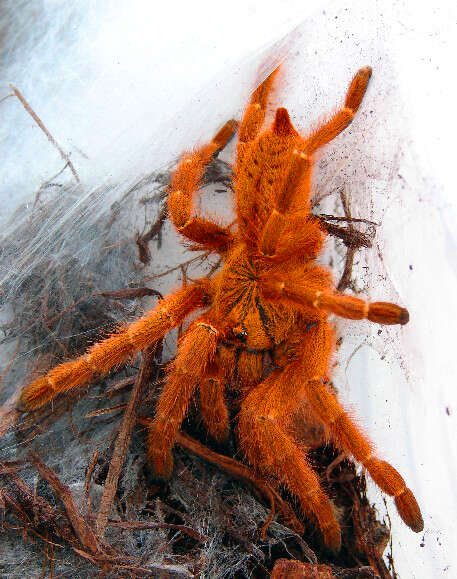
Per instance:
x=264, y=331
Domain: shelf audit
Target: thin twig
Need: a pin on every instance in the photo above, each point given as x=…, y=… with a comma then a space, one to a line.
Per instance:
x=48, y=183
x=345, y=280
x=328, y=471
x=41, y=510
x=40, y=123
x=85, y=534
x=347, y=219
x=143, y=239
x=197, y=258
x=123, y=440
x=146, y=525
x=6, y=97
x=88, y=479
x=354, y=238
x=242, y=472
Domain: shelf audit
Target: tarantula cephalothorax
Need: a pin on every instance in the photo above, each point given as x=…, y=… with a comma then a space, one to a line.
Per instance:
x=269, y=300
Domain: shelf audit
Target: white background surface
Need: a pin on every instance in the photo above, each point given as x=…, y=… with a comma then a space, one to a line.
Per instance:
x=125, y=86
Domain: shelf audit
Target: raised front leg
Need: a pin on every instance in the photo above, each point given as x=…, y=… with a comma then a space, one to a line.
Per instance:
x=254, y=115
x=185, y=182
x=340, y=120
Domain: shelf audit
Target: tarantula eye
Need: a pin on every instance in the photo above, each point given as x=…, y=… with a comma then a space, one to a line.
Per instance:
x=240, y=332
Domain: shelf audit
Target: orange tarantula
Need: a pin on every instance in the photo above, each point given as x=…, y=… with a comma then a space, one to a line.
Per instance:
x=264, y=330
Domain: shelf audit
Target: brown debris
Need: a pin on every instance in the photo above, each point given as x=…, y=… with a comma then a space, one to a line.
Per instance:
x=243, y=473
x=143, y=240
x=83, y=531
x=123, y=439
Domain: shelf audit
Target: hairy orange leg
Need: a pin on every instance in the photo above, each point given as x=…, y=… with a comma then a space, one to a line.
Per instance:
x=262, y=431
x=196, y=351
x=226, y=357
x=186, y=181
x=289, y=230
x=317, y=342
x=297, y=187
x=212, y=404
x=343, y=117
x=339, y=304
x=264, y=169
x=297, y=180
x=115, y=350
x=250, y=167
x=294, y=192
x=254, y=115
x=249, y=367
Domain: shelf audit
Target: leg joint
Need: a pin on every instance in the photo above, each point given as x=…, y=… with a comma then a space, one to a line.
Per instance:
x=209, y=327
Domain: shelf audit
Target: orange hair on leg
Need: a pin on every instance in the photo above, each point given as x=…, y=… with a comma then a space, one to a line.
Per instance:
x=344, y=433
x=196, y=350
x=270, y=449
x=212, y=405
x=343, y=118
x=118, y=348
x=254, y=115
x=185, y=183
x=298, y=291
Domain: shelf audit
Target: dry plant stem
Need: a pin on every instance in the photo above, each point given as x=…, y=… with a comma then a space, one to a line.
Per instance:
x=345, y=280
x=116, y=389
x=123, y=440
x=196, y=259
x=83, y=531
x=347, y=219
x=240, y=471
x=328, y=471
x=365, y=540
x=40, y=123
x=131, y=293
x=41, y=508
x=6, y=97
x=87, y=481
x=145, y=525
x=103, y=411
x=354, y=238
x=143, y=240
x=48, y=183
x=42, y=511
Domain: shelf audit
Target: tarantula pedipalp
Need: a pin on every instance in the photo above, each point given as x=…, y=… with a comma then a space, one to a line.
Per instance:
x=270, y=300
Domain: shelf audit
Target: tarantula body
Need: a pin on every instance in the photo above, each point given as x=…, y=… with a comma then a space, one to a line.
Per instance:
x=264, y=331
